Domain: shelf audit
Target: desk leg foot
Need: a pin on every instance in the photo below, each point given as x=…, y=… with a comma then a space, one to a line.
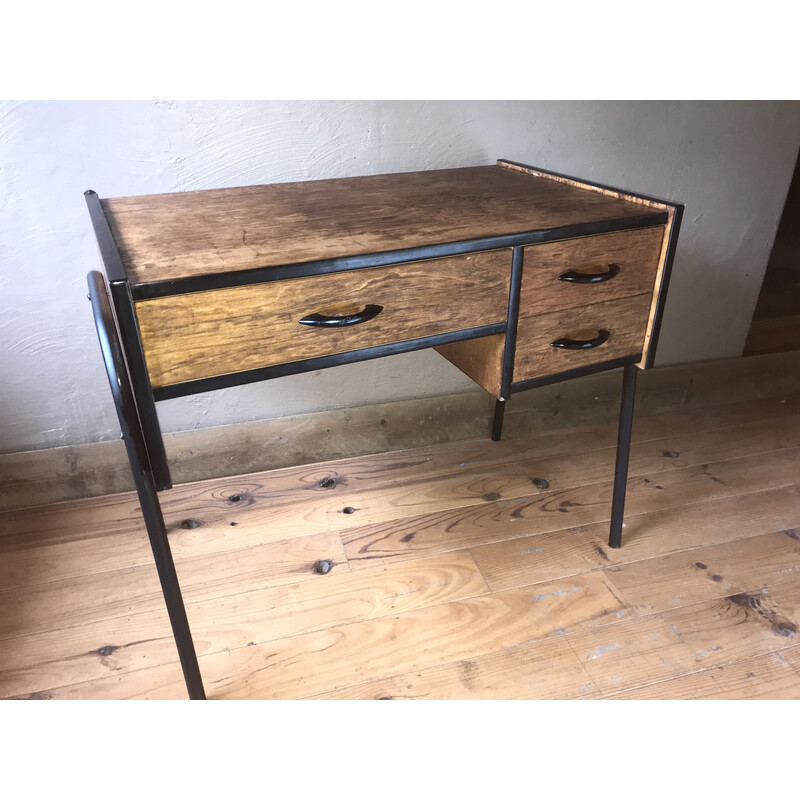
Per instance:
x=497, y=421
x=157, y=533
x=623, y=451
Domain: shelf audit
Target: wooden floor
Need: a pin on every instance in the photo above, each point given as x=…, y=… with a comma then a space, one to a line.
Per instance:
x=465, y=570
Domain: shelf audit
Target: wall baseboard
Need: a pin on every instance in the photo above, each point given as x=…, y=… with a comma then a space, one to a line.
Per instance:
x=87, y=470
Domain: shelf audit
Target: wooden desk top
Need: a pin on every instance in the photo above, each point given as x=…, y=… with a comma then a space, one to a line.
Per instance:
x=191, y=234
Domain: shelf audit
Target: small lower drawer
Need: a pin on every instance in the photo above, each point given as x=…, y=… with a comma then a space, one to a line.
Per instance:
x=624, y=322
x=205, y=334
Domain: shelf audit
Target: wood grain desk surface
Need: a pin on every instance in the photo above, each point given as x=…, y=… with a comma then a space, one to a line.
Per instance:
x=191, y=234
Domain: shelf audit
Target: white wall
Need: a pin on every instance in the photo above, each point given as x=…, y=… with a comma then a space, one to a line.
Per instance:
x=729, y=162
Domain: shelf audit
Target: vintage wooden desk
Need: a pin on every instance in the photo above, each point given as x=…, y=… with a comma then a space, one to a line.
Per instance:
x=519, y=276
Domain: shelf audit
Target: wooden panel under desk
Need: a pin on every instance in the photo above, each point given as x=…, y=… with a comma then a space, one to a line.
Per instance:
x=635, y=252
x=626, y=320
x=205, y=334
x=480, y=359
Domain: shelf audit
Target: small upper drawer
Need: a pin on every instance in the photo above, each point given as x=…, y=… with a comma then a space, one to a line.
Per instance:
x=201, y=335
x=592, y=269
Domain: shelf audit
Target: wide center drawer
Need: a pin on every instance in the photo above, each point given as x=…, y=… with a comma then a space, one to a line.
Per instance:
x=591, y=269
x=204, y=334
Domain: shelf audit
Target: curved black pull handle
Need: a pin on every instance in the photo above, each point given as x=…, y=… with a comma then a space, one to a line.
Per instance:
x=582, y=344
x=573, y=276
x=367, y=314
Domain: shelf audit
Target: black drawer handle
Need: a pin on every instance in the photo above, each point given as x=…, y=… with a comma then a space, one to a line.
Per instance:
x=367, y=314
x=582, y=344
x=573, y=276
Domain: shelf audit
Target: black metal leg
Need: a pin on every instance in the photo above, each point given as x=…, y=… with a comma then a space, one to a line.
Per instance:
x=122, y=392
x=140, y=384
x=497, y=422
x=157, y=532
x=623, y=451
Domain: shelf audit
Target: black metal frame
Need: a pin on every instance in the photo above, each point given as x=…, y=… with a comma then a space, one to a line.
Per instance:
x=510, y=347
x=578, y=372
x=510, y=344
x=497, y=419
x=109, y=255
x=135, y=398
x=145, y=399
x=125, y=315
x=623, y=452
x=125, y=403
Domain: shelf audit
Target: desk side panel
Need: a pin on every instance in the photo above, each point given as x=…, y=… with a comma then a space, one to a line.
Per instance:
x=669, y=242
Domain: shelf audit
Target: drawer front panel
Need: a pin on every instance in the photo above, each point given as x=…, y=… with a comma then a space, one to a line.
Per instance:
x=624, y=320
x=621, y=264
x=205, y=334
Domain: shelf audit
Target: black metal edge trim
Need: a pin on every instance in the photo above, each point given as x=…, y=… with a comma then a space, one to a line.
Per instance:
x=322, y=362
x=534, y=383
x=224, y=280
x=510, y=345
x=109, y=255
x=140, y=380
x=588, y=183
x=655, y=328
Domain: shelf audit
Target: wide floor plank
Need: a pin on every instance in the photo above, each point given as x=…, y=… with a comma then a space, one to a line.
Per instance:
x=528, y=559
x=125, y=643
x=720, y=570
x=551, y=511
x=330, y=659
x=765, y=677
x=545, y=670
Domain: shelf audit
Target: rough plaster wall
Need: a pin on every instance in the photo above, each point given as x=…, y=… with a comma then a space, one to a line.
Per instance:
x=729, y=162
